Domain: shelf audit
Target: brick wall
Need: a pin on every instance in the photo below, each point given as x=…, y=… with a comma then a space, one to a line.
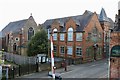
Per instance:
x=84, y=44
x=115, y=67
x=115, y=61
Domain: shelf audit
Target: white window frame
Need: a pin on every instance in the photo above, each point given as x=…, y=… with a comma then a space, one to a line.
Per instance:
x=70, y=34
x=62, y=37
x=79, y=36
x=69, y=50
x=55, y=34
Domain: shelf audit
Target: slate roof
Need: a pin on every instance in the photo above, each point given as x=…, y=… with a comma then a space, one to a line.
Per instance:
x=116, y=28
x=103, y=16
x=81, y=21
x=14, y=26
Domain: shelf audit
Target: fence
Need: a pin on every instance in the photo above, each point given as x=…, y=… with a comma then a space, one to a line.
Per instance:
x=18, y=59
x=20, y=70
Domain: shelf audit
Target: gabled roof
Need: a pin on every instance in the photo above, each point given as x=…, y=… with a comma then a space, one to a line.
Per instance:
x=80, y=20
x=14, y=26
x=103, y=16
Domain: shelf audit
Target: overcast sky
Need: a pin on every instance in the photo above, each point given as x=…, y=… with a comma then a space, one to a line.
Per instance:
x=14, y=10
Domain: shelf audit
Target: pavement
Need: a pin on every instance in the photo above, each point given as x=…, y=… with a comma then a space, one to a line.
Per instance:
x=96, y=69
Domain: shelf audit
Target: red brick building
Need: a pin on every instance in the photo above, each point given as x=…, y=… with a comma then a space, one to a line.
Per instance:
x=79, y=36
x=115, y=48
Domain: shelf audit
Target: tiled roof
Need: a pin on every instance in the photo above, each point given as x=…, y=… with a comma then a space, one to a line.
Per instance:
x=81, y=21
x=14, y=26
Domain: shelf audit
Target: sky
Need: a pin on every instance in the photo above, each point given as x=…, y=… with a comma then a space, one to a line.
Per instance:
x=14, y=10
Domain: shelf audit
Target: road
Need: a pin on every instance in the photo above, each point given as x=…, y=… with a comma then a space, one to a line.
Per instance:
x=96, y=69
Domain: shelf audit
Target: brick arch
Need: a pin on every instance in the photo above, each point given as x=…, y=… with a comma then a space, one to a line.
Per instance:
x=115, y=51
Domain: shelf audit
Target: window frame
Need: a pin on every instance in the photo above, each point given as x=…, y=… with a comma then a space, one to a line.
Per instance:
x=54, y=48
x=17, y=38
x=69, y=49
x=70, y=34
x=79, y=38
x=55, y=34
x=62, y=47
x=62, y=36
x=79, y=52
x=30, y=33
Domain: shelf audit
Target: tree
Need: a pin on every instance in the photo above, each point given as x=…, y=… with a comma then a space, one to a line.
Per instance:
x=38, y=44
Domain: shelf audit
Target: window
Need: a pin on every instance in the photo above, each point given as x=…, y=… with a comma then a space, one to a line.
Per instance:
x=89, y=36
x=78, y=36
x=55, y=48
x=62, y=50
x=78, y=51
x=54, y=34
x=16, y=39
x=14, y=47
x=62, y=37
x=70, y=34
x=69, y=50
x=30, y=33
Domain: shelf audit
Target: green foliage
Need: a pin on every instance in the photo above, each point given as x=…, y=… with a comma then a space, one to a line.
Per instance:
x=38, y=44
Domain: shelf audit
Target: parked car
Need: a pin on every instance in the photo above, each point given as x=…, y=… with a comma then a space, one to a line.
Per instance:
x=57, y=75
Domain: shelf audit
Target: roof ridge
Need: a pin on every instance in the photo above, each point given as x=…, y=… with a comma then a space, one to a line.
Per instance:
x=18, y=20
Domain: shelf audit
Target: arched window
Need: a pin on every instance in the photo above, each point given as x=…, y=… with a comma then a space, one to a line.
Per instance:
x=70, y=34
x=30, y=33
x=55, y=34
